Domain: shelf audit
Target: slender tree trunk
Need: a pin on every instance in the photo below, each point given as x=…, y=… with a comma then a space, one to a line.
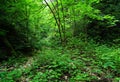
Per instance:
x=74, y=17
x=64, y=33
x=57, y=12
x=61, y=26
x=58, y=24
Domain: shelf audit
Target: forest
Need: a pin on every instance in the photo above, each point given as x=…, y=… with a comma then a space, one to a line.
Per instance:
x=59, y=40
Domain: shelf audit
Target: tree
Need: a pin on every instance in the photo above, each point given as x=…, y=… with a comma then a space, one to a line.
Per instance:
x=15, y=31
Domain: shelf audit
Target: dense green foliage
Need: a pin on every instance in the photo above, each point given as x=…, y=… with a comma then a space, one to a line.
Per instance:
x=59, y=41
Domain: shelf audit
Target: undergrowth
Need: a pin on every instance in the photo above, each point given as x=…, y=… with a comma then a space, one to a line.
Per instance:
x=81, y=62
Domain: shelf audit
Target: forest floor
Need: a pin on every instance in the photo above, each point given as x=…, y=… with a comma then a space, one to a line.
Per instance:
x=88, y=64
